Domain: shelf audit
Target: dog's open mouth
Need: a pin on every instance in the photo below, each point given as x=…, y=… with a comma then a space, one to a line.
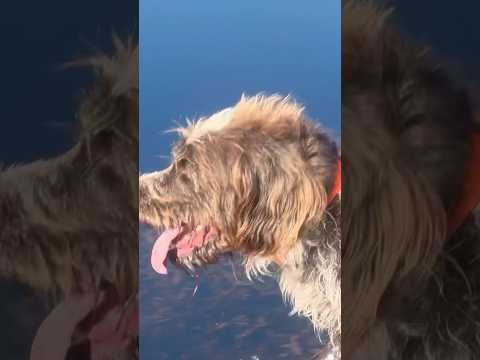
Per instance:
x=180, y=239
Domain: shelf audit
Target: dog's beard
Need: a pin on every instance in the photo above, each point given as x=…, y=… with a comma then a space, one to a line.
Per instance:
x=189, y=245
x=208, y=254
x=186, y=245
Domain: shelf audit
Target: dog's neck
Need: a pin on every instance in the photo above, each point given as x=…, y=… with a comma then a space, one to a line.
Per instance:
x=309, y=278
x=313, y=291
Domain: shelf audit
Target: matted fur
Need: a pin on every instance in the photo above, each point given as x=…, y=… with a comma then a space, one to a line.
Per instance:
x=70, y=223
x=408, y=291
x=260, y=173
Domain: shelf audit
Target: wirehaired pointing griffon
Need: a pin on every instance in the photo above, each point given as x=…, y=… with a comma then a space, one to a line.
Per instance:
x=263, y=180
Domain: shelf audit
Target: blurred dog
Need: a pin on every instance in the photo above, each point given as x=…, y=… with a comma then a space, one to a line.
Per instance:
x=263, y=180
x=410, y=240
x=70, y=224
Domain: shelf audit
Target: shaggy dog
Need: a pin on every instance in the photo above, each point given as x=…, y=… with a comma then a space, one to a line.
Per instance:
x=70, y=224
x=263, y=180
x=410, y=240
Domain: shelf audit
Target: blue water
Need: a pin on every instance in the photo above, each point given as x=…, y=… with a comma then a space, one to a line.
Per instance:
x=197, y=58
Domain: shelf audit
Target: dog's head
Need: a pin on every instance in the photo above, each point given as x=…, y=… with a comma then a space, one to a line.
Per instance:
x=250, y=178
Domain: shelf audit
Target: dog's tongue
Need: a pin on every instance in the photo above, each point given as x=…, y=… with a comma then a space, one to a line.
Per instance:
x=160, y=249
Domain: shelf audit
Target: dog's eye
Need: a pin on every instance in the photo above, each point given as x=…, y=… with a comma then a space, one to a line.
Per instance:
x=181, y=164
x=184, y=179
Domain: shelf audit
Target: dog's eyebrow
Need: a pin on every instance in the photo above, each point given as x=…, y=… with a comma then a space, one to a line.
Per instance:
x=175, y=152
x=183, y=150
x=178, y=146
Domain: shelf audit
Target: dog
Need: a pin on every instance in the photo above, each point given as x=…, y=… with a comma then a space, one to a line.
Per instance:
x=261, y=179
x=70, y=223
x=410, y=231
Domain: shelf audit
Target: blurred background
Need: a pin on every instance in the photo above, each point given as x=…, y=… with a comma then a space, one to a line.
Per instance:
x=450, y=29
x=39, y=98
x=39, y=101
x=195, y=59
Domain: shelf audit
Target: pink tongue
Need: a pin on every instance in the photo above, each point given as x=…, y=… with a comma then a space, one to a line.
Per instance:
x=160, y=249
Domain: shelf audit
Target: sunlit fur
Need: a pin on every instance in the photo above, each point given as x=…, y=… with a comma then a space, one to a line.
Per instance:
x=261, y=177
x=408, y=291
x=70, y=223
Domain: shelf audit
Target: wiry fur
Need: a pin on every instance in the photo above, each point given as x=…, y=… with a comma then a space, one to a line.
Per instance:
x=70, y=223
x=309, y=278
x=260, y=176
x=408, y=291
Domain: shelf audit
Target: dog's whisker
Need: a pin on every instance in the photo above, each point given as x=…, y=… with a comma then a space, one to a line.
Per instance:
x=195, y=290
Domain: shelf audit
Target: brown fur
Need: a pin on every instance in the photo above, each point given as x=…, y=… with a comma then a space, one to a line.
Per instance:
x=408, y=291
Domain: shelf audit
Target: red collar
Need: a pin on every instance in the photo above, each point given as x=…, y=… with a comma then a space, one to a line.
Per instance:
x=337, y=183
x=469, y=196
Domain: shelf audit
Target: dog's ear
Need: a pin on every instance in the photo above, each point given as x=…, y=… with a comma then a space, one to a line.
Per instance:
x=393, y=226
x=320, y=154
x=281, y=186
x=275, y=198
